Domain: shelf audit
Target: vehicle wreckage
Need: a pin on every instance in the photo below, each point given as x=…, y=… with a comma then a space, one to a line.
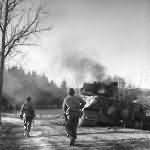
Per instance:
x=104, y=107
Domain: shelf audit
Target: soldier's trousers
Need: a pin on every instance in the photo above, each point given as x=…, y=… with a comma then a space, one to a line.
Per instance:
x=27, y=123
x=71, y=124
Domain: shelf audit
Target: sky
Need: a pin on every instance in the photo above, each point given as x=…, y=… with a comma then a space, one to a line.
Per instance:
x=112, y=33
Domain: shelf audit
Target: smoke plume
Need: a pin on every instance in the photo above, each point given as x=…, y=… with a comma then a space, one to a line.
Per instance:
x=83, y=68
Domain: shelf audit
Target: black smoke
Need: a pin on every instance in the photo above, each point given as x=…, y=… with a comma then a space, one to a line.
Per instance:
x=83, y=68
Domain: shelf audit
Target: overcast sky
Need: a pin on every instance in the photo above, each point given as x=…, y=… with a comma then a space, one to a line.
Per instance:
x=114, y=33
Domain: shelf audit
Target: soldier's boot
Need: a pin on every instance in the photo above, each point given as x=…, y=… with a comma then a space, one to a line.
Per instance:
x=72, y=141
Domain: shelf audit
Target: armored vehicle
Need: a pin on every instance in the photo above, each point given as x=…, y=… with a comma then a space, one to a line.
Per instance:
x=104, y=107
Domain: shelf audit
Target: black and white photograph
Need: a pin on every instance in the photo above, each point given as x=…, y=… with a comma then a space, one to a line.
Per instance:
x=74, y=74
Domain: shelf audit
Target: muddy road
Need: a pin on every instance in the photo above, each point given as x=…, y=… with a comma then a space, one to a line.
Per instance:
x=48, y=134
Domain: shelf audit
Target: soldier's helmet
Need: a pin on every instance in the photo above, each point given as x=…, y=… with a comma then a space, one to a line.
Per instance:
x=28, y=99
x=71, y=91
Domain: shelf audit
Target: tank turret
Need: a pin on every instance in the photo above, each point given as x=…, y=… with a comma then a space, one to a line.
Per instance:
x=100, y=89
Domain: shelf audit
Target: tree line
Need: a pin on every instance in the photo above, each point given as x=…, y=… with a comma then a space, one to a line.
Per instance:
x=18, y=85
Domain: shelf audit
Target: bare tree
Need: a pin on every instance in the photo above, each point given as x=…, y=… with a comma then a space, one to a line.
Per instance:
x=16, y=27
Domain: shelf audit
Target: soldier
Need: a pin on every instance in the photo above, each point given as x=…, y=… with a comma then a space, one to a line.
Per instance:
x=27, y=113
x=71, y=106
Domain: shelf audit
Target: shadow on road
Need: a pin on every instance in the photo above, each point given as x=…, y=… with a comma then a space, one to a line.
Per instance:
x=8, y=140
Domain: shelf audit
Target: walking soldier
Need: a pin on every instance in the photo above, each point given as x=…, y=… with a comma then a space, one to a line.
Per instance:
x=71, y=106
x=27, y=113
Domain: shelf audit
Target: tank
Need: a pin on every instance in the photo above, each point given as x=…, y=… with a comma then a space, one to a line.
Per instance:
x=104, y=107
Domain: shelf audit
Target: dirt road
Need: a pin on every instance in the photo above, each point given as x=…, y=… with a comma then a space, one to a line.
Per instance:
x=48, y=134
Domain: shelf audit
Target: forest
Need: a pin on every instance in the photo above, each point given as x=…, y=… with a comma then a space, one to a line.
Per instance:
x=18, y=85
